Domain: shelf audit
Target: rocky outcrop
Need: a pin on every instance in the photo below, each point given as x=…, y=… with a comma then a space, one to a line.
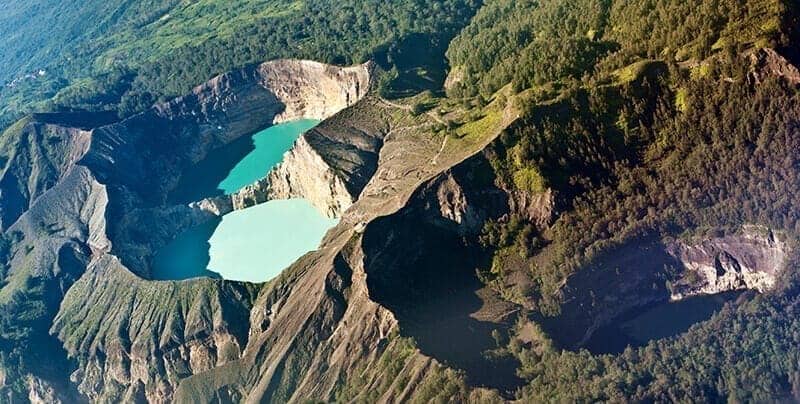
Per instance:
x=455, y=77
x=765, y=63
x=40, y=392
x=538, y=209
x=71, y=212
x=462, y=199
x=750, y=260
x=329, y=165
x=454, y=206
x=217, y=206
x=130, y=335
x=301, y=174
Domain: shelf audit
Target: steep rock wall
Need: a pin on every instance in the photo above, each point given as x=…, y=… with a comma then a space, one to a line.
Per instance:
x=301, y=174
x=71, y=212
x=766, y=62
x=314, y=90
x=329, y=165
x=750, y=260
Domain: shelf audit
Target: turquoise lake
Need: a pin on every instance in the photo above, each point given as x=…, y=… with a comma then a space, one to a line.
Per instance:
x=239, y=163
x=270, y=145
x=254, y=244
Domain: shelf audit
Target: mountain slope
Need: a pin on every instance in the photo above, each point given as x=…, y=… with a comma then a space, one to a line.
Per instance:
x=582, y=165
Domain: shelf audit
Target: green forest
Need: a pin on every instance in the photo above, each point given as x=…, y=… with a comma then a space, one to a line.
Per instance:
x=142, y=52
x=647, y=121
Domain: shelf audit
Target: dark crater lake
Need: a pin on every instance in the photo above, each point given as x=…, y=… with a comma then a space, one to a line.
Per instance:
x=643, y=324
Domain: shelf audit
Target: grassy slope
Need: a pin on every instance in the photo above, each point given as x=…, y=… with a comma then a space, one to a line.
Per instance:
x=37, y=34
x=75, y=42
x=187, y=24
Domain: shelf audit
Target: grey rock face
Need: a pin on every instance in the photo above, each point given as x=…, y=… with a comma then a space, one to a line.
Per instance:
x=750, y=260
x=766, y=62
x=39, y=392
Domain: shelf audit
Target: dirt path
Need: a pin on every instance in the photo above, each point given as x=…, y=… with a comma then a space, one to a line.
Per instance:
x=408, y=108
x=433, y=116
x=435, y=158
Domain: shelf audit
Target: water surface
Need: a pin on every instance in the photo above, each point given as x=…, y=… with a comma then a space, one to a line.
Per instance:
x=661, y=320
x=239, y=163
x=253, y=244
x=187, y=256
x=270, y=146
x=257, y=243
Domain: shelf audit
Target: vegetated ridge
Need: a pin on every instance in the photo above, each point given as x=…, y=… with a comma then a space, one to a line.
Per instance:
x=586, y=158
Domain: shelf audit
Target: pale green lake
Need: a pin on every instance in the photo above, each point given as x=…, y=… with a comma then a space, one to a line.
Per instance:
x=254, y=244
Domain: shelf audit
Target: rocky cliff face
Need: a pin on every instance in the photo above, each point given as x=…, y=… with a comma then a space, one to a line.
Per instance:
x=313, y=90
x=329, y=165
x=750, y=260
x=766, y=62
x=301, y=174
x=138, y=339
x=539, y=209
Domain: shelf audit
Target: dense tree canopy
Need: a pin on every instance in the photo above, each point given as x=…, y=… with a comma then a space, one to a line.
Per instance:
x=140, y=53
x=647, y=119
